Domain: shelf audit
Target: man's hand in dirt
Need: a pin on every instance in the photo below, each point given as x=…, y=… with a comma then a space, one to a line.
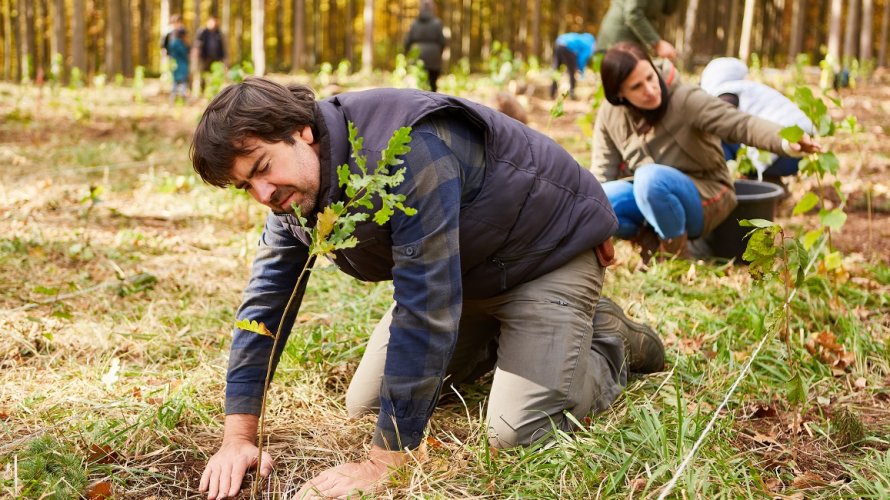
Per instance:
x=225, y=470
x=352, y=478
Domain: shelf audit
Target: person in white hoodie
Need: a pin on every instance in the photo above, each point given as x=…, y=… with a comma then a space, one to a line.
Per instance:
x=726, y=78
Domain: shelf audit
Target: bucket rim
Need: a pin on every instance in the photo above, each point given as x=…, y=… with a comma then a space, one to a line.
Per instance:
x=773, y=190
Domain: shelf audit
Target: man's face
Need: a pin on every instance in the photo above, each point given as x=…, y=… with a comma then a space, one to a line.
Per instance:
x=211, y=23
x=280, y=174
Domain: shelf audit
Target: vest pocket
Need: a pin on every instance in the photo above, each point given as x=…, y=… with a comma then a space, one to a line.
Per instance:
x=512, y=267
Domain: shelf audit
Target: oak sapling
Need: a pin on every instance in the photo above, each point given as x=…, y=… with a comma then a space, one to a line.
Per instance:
x=334, y=226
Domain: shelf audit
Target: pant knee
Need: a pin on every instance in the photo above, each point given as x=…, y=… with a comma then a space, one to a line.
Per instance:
x=358, y=405
x=502, y=435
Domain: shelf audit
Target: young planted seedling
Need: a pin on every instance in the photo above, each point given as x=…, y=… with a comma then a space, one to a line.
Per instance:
x=334, y=227
x=775, y=255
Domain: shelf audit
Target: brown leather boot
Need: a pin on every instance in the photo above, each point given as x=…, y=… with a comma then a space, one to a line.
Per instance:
x=674, y=246
x=642, y=346
x=648, y=242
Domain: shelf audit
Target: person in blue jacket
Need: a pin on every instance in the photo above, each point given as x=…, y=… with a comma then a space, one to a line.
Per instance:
x=178, y=49
x=572, y=50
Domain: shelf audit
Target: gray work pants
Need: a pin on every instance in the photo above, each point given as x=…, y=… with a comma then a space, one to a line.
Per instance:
x=539, y=338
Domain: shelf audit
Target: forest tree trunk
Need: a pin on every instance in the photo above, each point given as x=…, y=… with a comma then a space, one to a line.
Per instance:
x=126, y=33
x=834, y=30
x=689, y=29
x=798, y=17
x=536, y=30
x=57, y=43
x=257, y=45
x=885, y=27
x=8, y=56
x=299, y=32
x=747, y=24
x=368, y=40
x=113, y=38
x=866, y=37
x=732, y=35
x=78, y=37
x=27, y=43
x=850, y=38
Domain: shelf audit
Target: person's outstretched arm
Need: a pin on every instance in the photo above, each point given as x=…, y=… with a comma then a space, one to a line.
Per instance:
x=718, y=117
x=635, y=19
x=279, y=259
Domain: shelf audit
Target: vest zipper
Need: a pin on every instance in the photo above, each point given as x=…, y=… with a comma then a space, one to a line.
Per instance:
x=502, y=262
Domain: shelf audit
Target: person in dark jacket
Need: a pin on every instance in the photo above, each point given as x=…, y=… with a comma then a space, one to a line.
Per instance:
x=211, y=46
x=426, y=32
x=500, y=268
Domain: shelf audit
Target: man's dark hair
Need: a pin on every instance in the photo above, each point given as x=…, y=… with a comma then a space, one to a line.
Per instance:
x=255, y=108
x=618, y=63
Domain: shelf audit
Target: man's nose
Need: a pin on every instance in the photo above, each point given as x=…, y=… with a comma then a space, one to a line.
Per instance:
x=263, y=192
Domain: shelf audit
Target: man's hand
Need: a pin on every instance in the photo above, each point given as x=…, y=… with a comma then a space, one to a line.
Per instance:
x=351, y=478
x=225, y=470
x=665, y=49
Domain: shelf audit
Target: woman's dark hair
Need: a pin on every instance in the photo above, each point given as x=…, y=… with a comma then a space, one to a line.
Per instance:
x=255, y=108
x=618, y=63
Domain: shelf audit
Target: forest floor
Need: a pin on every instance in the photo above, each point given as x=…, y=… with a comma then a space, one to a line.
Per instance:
x=120, y=273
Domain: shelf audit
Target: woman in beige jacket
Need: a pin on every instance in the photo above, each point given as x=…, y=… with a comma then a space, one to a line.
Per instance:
x=666, y=136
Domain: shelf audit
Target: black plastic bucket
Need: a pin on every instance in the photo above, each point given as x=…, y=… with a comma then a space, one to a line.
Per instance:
x=757, y=200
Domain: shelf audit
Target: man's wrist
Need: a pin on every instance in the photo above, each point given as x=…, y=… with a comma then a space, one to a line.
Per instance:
x=388, y=459
x=240, y=427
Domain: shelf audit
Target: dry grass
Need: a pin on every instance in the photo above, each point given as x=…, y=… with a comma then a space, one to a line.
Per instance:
x=71, y=309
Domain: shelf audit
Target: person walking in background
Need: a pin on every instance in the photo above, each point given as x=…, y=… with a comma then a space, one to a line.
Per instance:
x=571, y=50
x=178, y=50
x=632, y=21
x=175, y=24
x=726, y=78
x=427, y=33
x=666, y=136
x=211, y=47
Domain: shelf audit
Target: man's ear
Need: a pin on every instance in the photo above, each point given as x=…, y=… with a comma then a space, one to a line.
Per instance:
x=305, y=135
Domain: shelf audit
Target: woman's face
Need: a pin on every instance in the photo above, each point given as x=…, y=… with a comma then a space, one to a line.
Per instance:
x=641, y=87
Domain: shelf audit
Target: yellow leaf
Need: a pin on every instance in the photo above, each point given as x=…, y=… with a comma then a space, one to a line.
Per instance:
x=326, y=222
x=254, y=326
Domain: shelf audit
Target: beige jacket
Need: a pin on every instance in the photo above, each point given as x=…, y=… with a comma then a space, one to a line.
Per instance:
x=687, y=138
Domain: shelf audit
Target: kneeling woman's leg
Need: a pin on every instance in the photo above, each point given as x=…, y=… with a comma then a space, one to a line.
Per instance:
x=669, y=201
x=621, y=196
